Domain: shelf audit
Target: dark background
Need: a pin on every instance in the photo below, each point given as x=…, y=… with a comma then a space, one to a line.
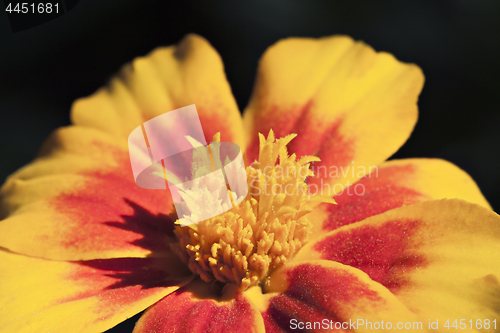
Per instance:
x=456, y=43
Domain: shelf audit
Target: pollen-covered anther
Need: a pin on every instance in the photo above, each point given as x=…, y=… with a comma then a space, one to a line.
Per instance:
x=245, y=244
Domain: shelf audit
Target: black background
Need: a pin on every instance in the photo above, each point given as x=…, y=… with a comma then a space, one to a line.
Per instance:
x=456, y=43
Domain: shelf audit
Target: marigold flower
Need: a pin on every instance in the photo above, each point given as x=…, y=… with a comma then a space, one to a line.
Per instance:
x=82, y=248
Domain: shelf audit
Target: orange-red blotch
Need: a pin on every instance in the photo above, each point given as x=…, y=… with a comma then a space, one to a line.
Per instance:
x=110, y=212
x=382, y=251
x=316, y=136
x=122, y=281
x=216, y=122
x=336, y=152
x=181, y=311
x=281, y=122
x=382, y=190
x=315, y=293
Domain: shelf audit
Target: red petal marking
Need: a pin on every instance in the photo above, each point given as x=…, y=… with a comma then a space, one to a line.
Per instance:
x=124, y=278
x=282, y=310
x=383, y=251
x=309, y=283
x=122, y=281
x=272, y=326
x=216, y=122
x=315, y=293
x=336, y=151
x=382, y=191
x=111, y=212
x=276, y=120
x=316, y=136
x=313, y=135
x=45, y=295
x=183, y=312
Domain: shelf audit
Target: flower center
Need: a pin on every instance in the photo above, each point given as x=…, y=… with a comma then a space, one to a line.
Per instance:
x=246, y=243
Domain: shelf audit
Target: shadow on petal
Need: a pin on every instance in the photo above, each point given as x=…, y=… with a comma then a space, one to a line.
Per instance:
x=157, y=231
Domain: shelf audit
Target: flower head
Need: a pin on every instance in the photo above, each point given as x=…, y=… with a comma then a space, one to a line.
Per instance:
x=242, y=246
x=82, y=248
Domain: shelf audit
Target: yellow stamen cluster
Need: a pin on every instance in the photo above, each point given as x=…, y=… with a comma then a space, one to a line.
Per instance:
x=243, y=245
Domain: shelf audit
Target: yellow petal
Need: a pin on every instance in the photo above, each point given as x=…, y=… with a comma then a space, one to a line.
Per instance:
x=38, y=295
x=325, y=296
x=394, y=184
x=438, y=257
x=166, y=79
x=79, y=201
x=192, y=309
x=350, y=106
